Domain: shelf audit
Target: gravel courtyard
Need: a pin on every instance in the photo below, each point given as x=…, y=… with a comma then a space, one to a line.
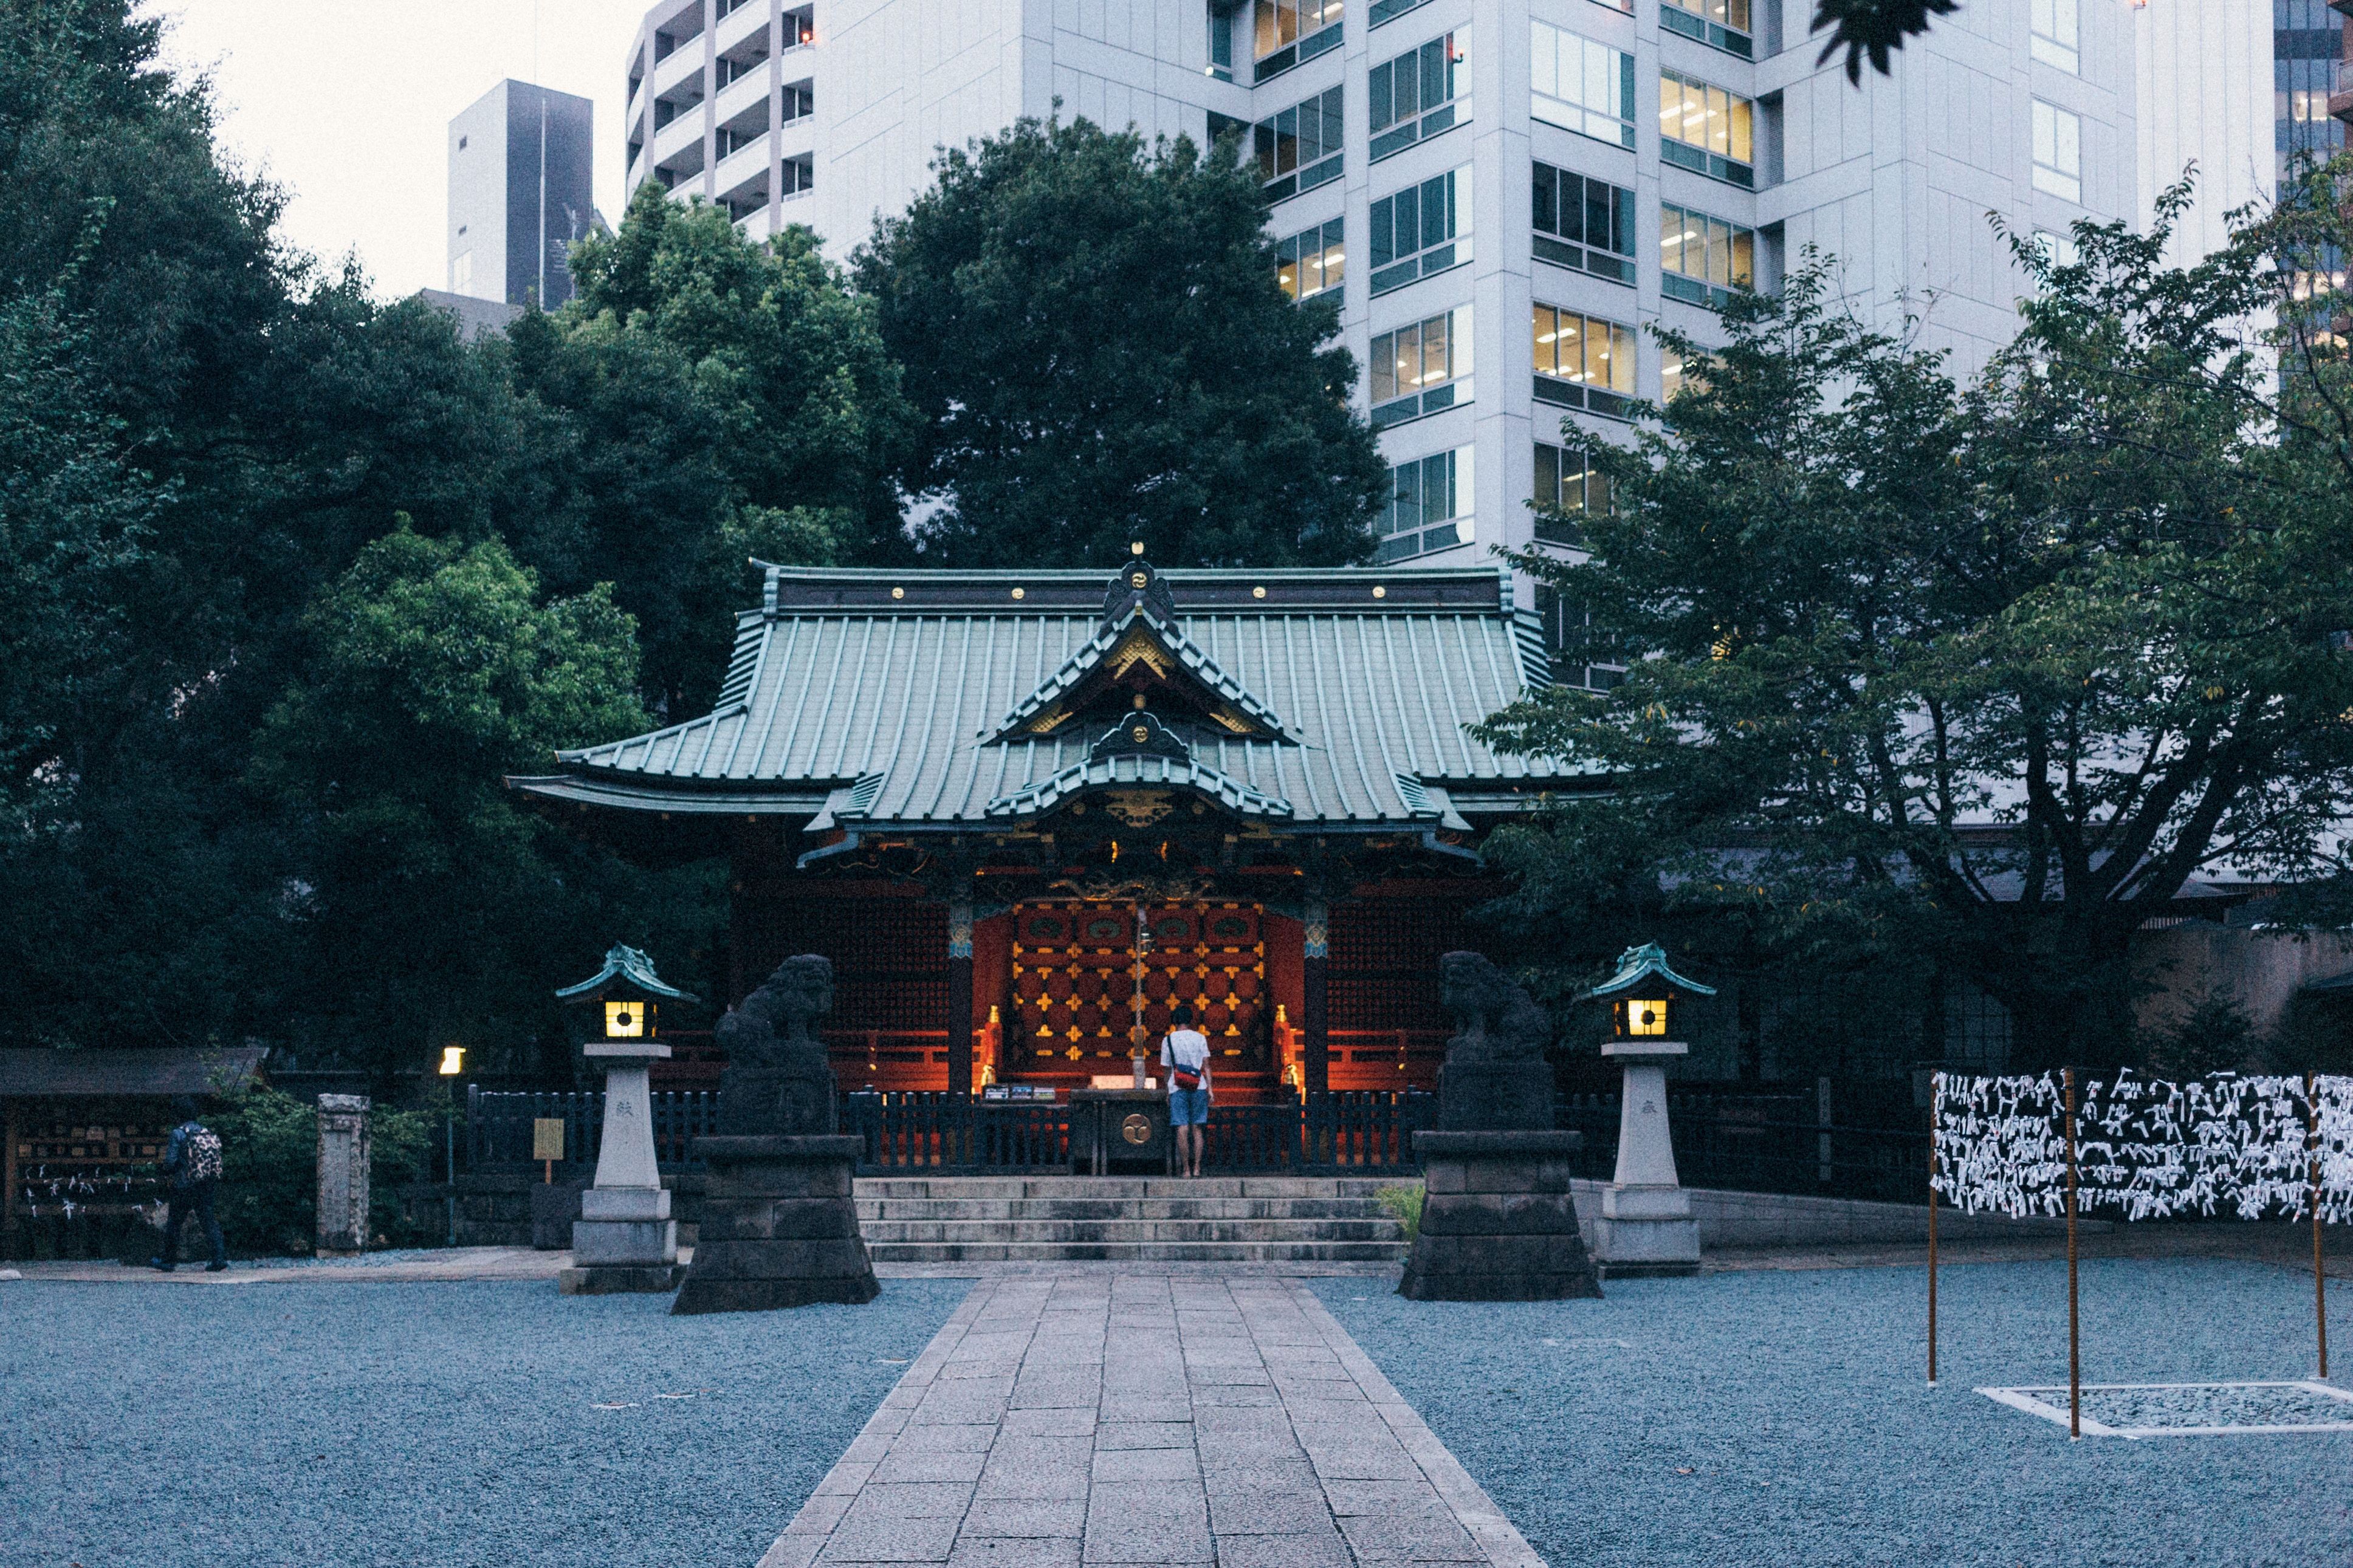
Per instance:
x=1782, y=1418
x=457, y=1424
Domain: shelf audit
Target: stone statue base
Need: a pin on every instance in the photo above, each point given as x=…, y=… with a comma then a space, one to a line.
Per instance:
x=1478, y=1096
x=779, y=1226
x=1497, y=1223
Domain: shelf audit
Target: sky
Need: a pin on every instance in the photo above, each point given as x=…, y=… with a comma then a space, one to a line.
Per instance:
x=347, y=104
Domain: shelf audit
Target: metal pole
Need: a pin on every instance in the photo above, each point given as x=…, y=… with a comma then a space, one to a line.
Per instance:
x=1934, y=1095
x=2075, y=1338
x=450, y=1150
x=2319, y=1278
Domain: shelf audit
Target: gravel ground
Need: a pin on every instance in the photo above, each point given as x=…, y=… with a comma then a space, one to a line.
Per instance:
x=1783, y=1419
x=443, y=1424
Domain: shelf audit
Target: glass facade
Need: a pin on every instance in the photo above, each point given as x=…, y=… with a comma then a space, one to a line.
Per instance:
x=1429, y=505
x=1581, y=86
x=1569, y=485
x=2306, y=39
x=1313, y=260
x=2058, y=152
x=1707, y=129
x=1299, y=149
x=1582, y=361
x=1703, y=259
x=1421, y=369
x=1418, y=94
x=1421, y=230
x=1285, y=32
x=2054, y=29
x=1583, y=224
x=1720, y=24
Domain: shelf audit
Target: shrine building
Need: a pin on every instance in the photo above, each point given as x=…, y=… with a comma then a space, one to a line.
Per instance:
x=1022, y=812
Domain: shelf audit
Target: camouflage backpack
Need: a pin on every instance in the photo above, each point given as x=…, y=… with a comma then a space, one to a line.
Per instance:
x=201, y=1159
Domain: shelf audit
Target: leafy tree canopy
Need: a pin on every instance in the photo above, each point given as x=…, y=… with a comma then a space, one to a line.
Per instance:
x=1094, y=336
x=1989, y=674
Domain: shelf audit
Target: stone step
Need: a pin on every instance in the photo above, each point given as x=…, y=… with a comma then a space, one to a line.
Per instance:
x=1130, y=1231
x=1119, y=1208
x=1137, y=1251
x=1128, y=1186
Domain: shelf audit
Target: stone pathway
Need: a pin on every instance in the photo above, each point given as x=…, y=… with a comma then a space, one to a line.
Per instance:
x=1101, y=1417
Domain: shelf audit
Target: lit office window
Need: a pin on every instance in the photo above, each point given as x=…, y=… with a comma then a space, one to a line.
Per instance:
x=1421, y=369
x=2058, y=152
x=1707, y=129
x=1720, y=24
x=2054, y=33
x=1583, y=222
x=1422, y=230
x=1582, y=361
x=1581, y=86
x=1429, y=506
x=1290, y=31
x=1418, y=94
x=1705, y=258
x=1312, y=261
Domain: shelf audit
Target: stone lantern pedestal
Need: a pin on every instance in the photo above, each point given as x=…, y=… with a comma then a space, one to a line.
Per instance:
x=1645, y=1227
x=624, y=1238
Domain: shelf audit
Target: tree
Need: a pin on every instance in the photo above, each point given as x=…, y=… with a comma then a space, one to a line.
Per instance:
x=428, y=908
x=1989, y=675
x=1876, y=27
x=1094, y=335
x=712, y=398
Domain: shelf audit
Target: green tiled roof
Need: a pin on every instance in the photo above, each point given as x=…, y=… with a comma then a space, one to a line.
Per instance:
x=888, y=698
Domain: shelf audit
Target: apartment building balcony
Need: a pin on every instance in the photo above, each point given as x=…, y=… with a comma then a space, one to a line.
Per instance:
x=747, y=22
x=743, y=176
x=675, y=138
x=746, y=92
x=682, y=64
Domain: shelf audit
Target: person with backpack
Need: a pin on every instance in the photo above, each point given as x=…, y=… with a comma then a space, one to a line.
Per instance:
x=193, y=1165
x=1184, y=1052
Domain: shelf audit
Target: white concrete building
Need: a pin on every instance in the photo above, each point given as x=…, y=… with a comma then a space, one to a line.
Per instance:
x=1506, y=191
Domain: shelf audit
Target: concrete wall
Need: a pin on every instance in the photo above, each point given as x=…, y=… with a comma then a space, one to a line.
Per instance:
x=2181, y=964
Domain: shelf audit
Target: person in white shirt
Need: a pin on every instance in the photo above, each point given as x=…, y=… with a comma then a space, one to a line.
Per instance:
x=1184, y=1052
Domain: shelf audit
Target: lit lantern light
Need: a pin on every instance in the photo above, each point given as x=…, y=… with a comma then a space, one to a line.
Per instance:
x=629, y=1020
x=453, y=1060
x=1639, y=1020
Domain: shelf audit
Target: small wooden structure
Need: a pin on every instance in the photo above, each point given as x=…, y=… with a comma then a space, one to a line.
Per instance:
x=82, y=1128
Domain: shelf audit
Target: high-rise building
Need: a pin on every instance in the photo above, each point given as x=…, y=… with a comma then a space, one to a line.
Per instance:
x=1505, y=194
x=521, y=159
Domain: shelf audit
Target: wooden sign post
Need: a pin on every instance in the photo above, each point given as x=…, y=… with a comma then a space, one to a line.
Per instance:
x=547, y=1142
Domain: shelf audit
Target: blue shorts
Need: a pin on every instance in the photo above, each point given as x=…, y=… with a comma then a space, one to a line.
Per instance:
x=1189, y=1106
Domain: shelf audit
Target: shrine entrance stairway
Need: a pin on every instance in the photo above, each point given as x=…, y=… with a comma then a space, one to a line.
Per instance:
x=1154, y=1219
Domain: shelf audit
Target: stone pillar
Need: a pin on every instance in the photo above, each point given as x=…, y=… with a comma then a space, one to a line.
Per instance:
x=780, y=1225
x=343, y=1209
x=1646, y=1226
x=1498, y=1221
x=960, y=993
x=624, y=1238
x=1315, y=1014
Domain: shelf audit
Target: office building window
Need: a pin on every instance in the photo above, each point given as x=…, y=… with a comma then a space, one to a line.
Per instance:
x=2058, y=152
x=1418, y=94
x=1583, y=362
x=1221, y=42
x=1421, y=369
x=2052, y=29
x=462, y=273
x=1290, y=31
x=1429, y=506
x=1567, y=488
x=1390, y=10
x=1581, y=86
x=1584, y=224
x=1298, y=149
x=1583, y=654
x=1707, y=129
x=1421, y=230
x=1706, y=258
x=1720, y=23
x=1312, y=261
x=798, y=174
x=2058, y=249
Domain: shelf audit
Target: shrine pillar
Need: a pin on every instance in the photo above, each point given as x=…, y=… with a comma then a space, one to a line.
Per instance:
x=1315, y=1014
x=960, y=991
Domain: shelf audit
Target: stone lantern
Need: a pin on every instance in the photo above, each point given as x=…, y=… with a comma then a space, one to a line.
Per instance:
x=624, y=1238
x=1645, y=1226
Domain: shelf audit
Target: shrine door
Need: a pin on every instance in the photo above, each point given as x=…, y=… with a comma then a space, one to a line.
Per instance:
x=1075, y=983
